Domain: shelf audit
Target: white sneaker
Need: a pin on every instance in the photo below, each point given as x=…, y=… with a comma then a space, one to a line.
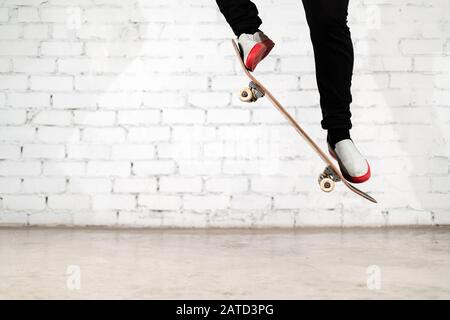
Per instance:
x=353, y=165
x=254, y=48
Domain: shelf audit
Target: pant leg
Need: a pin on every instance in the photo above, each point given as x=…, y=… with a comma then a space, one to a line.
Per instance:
x=241, y=15
x=333, y=54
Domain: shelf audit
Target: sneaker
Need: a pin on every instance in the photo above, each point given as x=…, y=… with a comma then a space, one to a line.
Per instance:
x=353, y=165
x=254, y=48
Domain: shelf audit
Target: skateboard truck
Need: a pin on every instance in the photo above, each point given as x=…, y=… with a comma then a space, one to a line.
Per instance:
x=328, y=179
x=251, y=93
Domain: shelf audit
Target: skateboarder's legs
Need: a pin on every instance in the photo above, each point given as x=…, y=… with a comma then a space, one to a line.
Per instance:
x=333, y=55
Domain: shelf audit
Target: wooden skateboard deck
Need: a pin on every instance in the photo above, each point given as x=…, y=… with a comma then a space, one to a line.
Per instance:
x=332, y=170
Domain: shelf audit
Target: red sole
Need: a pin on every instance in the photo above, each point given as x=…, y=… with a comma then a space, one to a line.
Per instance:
x=258, y=53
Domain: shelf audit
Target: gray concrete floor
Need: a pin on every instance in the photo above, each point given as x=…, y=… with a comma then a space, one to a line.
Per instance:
x=225, y=264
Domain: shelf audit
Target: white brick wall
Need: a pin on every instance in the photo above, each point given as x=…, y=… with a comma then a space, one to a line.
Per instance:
x=124, y=113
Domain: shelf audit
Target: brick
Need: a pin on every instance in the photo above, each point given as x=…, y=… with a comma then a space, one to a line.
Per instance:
x=14, y=218
x=272, y=184
x=156, y=167
x=109, y=15
x=64, y=168
x=209, y=99
x=51, y=83
x=19, y=134
x=43, y=185
x=250, y=202
x=35, y=31
x=53, y=14
x=235, y=184
x=179, y=150
x=159, y=202
x=61, y=48
x=50, y=117
x=29, y=100
x=5, y=65
x=63, y=31
x=89, y=151
x=58, y=134
x=108, y=168
x=319, y=218
x=27, y=14
x=69, y=202
x=97, y=83
x=133, y=152
x=12, y=117
x=95, y=218
x=18, y=48
x=150, y=134
x=228, y=116
x=422, y=46
x=183, y=116
x=43, y=151
x=94, y=118
x=89, y=185
x=4, y=14
x=13, y=82
x=24, y=202
x=289, y=201
x=99, y=31
x=407, y=80
x=193, y=133
x=111, y=100
x=398, y=217
x=180, y=184
x=75, y=65
x=138, y=117
x=206, y=202
x=34, y=65
x=9, y=31
x=193, y=167
x=50, y=220
x=114, y=202
x=13, y=168
x=163, y=100
x=74, y=101
x=9, y=152
x=9, y=185
x=104, y=135
x=240, y=167
x=135, y=185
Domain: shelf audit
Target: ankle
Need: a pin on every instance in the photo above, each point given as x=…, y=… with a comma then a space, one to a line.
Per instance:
x=248, y=31
x=336, y=135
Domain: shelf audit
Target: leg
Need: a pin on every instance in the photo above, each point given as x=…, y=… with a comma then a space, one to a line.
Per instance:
x=241, y=15
x=333, y=53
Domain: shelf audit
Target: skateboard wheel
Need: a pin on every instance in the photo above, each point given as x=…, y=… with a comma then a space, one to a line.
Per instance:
x=246, y=95
x=326, y=184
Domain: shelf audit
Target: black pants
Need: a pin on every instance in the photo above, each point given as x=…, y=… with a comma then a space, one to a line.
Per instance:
x=333, y=51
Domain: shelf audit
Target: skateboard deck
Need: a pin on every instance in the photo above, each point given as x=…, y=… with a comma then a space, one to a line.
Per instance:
x=331, y=174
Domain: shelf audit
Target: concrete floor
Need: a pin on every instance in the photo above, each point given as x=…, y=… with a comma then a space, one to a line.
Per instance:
x=225, y=264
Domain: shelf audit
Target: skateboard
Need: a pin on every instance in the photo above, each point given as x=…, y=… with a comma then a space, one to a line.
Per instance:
x=331, y=174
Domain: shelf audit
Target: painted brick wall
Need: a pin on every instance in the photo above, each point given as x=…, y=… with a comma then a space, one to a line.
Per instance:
x=125, y=113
